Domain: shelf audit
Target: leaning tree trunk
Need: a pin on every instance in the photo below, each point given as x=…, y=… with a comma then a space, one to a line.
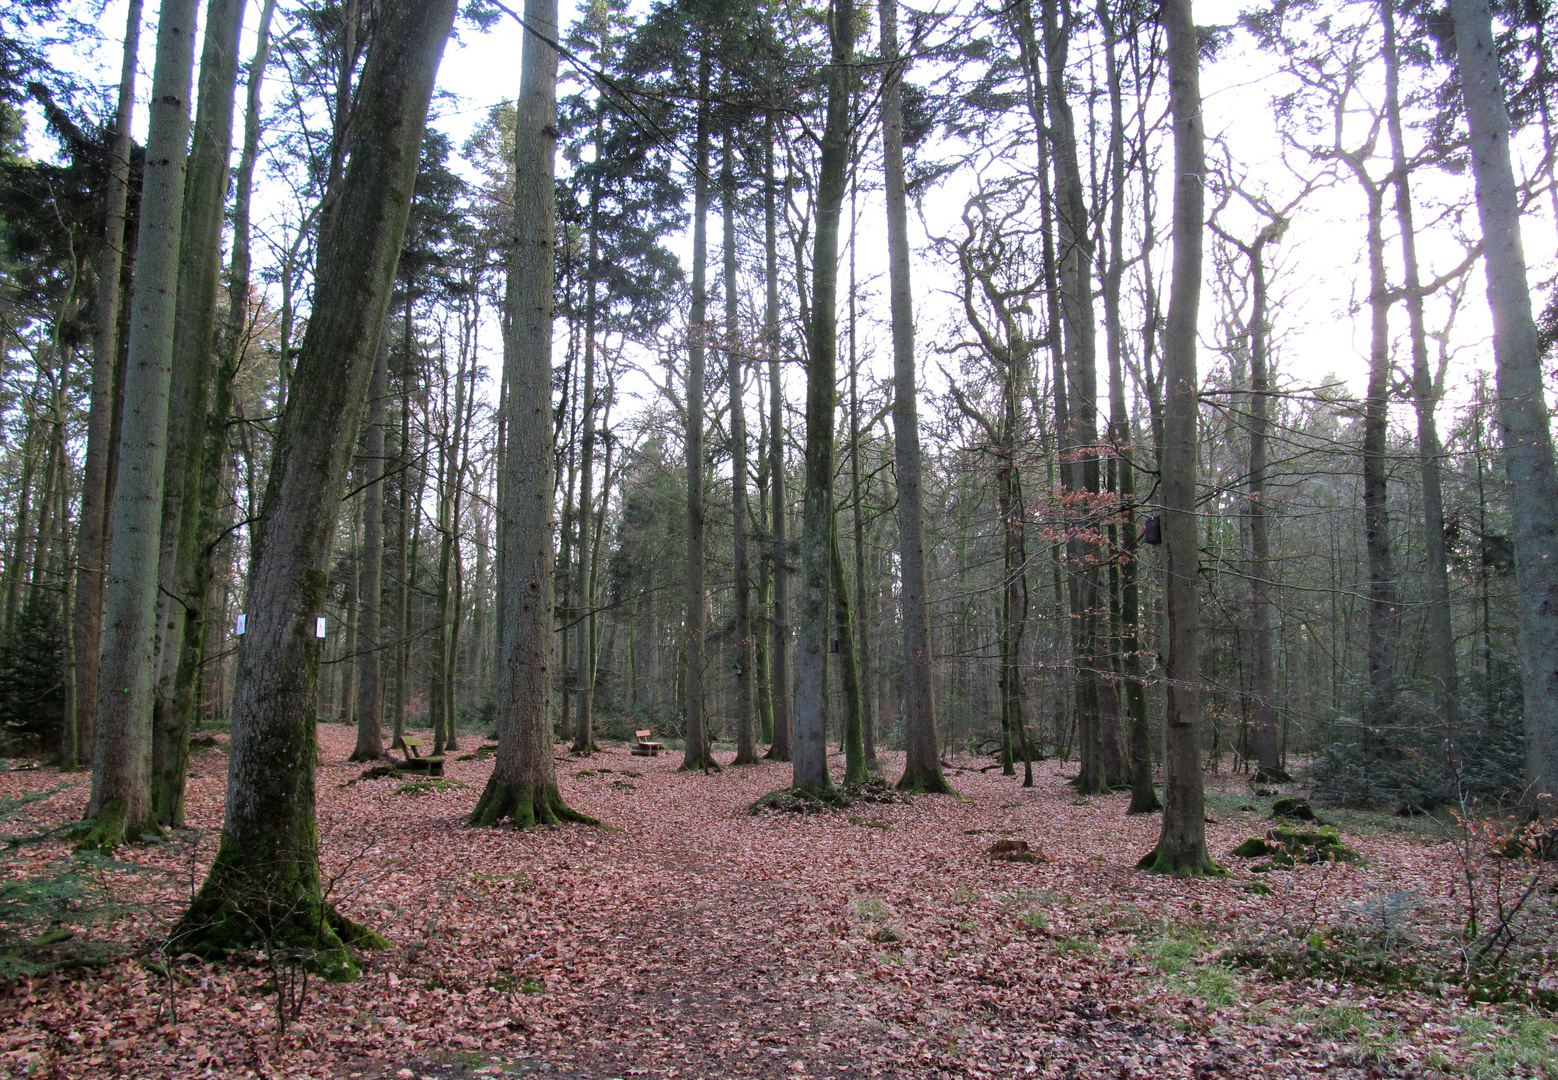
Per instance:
x=181, y=594
x=264, y=887
x=697, y=755
x=121, y=802
x=91, y=543
x=1182, y=843
x=523, y=785
x=370, y=663
x=922, y=756
x=811, y=742
x=1527, y=436
x=746, y=675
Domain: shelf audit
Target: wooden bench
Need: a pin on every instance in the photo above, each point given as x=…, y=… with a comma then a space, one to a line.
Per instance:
x=414, y=762
x=645, y=748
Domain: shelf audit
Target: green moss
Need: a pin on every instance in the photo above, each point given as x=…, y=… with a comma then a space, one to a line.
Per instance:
x=112, y=829
x=1161, y=861
x=523, y=805
x=1253, y=848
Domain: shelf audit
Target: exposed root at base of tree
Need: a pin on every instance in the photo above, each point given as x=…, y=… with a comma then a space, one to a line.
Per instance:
x=802, y=801
x=1183, y=864
x=924, y=782
x=111, y=829
x=283, y=915
x=525, y=805
x=705, y=764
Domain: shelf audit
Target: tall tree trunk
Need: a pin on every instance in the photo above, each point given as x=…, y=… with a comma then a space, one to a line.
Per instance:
x=1144, y=798
x=817, y=525
x=781, y=748
x=96, y=495
x=180, y=592
x=523, y=785
x=370, y=663
x=584, y=619
x=1523, y=416
x=1441, y=632
x=745, y=666
x=121, y=802
x=922, y=756
x=264, y=887
x=697, y=755
x=861, y=651
x=1268, y=742
x=1181, y=845
x=853, y=734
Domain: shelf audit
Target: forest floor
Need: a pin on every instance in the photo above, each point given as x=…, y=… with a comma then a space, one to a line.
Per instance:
x=693, y=939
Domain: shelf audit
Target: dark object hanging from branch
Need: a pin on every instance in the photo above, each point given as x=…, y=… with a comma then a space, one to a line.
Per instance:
x=1152, y=531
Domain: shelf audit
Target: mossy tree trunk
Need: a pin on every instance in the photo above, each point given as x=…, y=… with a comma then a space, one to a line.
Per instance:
x=121, y=802
x=523, y=785
x=1181, y=845
x=264, y=889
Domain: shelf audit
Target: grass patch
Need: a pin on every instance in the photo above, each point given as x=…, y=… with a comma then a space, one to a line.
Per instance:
x=1182, y=959
x=1494, y=1049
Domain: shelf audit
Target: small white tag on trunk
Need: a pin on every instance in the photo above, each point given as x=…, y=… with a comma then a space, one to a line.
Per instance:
x=242, y=621
x=319, y=626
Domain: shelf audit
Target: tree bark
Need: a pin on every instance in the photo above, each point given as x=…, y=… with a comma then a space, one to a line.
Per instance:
x=781, y=748
x=696, y=754
x=96, y=494
x=922, y=756
x=1441, y=632
x=1523, y=415
x=370, y=662
x=1181, y=845
x=523, y=785
x=811, y=745
x=194, y=350
x=264, y=887
x=121, y=802
x=745, y=665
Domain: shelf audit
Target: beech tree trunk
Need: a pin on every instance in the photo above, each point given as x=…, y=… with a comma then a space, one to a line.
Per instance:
x=1181, y=845
x=922, y=755
x=121, y=802
x=264, y=887
x=96, y=495
x=523, y=785
x=1523, y=415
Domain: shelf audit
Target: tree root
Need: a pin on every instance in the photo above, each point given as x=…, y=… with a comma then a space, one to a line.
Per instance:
x=525, y=805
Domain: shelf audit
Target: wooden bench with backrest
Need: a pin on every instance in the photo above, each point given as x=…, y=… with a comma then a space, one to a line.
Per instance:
x=414, y=762
x=645, y=748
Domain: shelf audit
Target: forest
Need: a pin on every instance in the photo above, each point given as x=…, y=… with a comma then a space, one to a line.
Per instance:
x=702, y=538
